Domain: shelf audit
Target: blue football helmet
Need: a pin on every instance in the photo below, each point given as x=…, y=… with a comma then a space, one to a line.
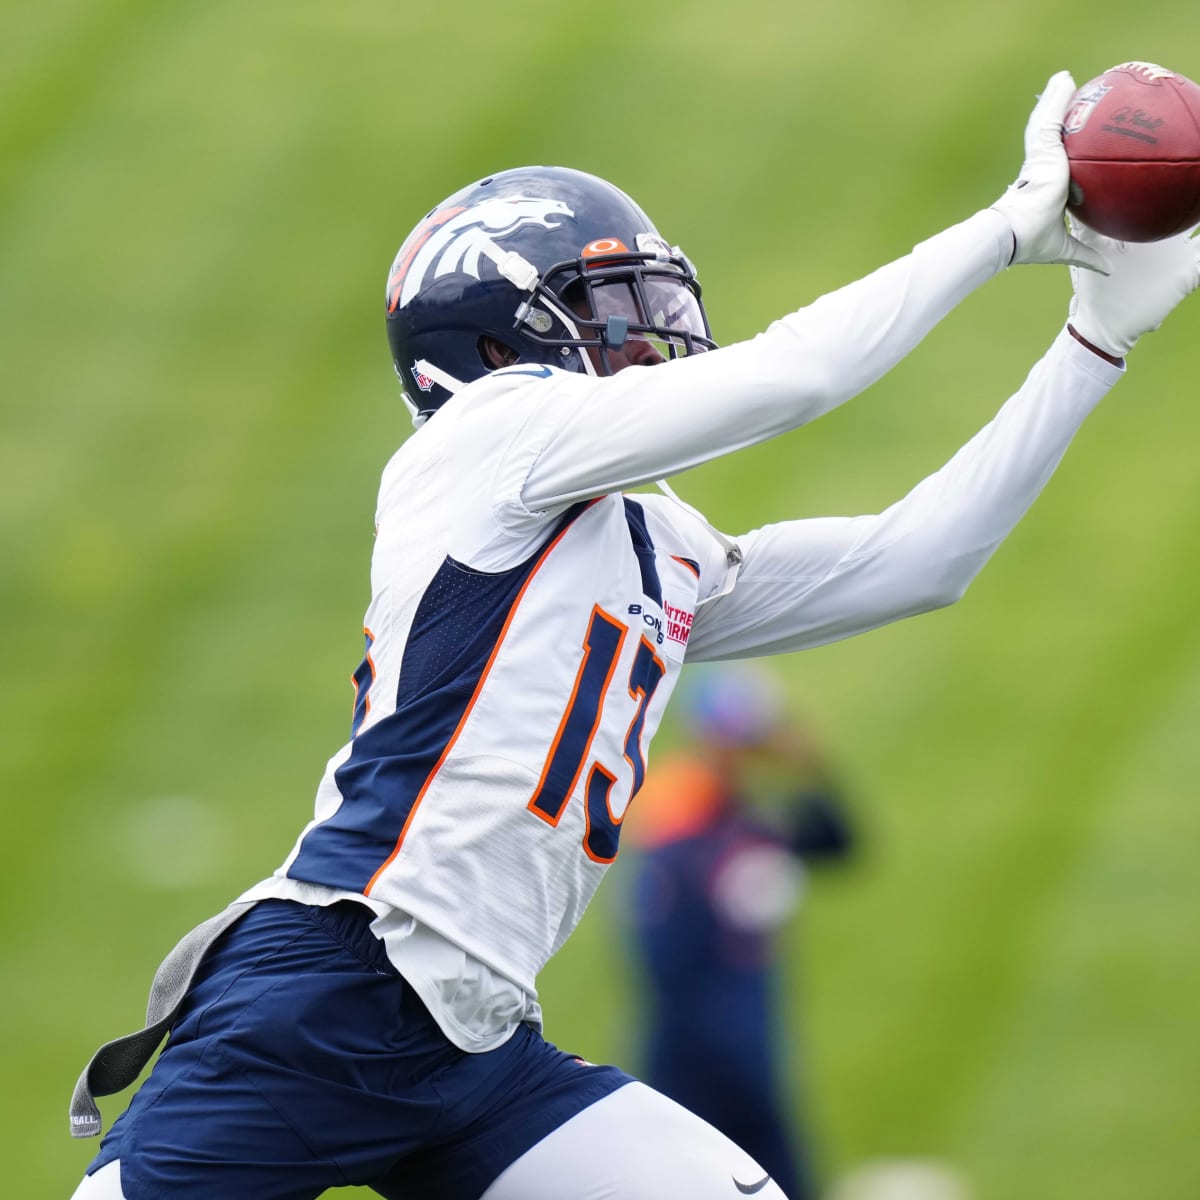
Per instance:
x=557, y=266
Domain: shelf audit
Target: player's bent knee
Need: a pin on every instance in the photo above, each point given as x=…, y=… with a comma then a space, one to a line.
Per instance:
x=635, y=1144
x=104, y=1184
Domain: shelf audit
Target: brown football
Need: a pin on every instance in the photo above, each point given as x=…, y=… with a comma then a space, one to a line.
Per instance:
x=1133, y=140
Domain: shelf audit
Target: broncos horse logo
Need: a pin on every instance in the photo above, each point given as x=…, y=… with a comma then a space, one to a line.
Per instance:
x=452, y=240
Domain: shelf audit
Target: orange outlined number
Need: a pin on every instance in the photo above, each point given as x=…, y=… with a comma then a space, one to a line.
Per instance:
x=569, y=750
x=362, y=679
x=603, y=827
x=573, y=740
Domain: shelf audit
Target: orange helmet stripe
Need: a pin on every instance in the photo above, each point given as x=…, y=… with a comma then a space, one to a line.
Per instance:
x=419, y=237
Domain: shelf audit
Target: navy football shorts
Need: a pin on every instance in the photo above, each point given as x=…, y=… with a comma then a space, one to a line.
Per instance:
x=302, y=1061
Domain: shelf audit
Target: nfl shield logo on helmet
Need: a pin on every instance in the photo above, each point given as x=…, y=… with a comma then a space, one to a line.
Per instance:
x=423, y=381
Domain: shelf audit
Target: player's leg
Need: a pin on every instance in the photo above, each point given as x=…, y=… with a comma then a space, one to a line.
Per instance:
x=104, y=1184
x=735, y=1090
x=634, y=1144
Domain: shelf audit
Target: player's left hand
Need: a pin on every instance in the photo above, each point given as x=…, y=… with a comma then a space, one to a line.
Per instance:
x=1035, y=205
x=1148, y=280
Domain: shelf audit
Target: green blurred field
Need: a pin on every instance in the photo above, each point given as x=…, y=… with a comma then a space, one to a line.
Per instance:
x=198, y=206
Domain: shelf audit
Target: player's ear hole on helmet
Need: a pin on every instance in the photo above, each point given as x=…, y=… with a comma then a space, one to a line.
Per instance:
x=496, y=354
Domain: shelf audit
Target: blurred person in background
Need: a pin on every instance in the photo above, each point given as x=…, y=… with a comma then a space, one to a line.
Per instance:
x=368, y=1013
x=726, y=828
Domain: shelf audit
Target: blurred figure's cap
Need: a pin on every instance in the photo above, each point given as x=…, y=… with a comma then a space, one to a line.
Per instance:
x=737, y=704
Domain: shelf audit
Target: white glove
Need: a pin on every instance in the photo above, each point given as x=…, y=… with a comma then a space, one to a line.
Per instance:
x=1036, y=204
x=1148, y=279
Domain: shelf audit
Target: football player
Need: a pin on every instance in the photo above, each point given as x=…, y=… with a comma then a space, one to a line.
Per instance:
x=369, y=1013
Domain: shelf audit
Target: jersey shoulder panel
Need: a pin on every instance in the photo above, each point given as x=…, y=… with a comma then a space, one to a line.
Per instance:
x=686, y=537
x=505, y=420
x=461, y=471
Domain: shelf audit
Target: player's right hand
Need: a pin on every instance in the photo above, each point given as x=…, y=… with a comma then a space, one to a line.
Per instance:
x=1035, y=205
x=1148, y=280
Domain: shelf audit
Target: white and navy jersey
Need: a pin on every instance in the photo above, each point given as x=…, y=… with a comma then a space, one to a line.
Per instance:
x=528, y=620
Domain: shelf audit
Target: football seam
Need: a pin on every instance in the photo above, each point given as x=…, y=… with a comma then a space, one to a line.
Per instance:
x=1139, y=162
x=1181, y=97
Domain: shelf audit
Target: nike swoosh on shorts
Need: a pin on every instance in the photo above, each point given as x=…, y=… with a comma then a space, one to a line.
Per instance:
x=748, y=1189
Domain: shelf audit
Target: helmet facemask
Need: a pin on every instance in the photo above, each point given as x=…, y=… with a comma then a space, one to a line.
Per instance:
x=595, y=304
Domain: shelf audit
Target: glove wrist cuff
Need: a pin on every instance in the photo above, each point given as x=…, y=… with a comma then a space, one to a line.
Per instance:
x=1104, y=354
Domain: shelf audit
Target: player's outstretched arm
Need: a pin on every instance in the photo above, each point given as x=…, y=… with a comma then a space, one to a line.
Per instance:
x=807, y=582
x=804, y=583
x=599, y=435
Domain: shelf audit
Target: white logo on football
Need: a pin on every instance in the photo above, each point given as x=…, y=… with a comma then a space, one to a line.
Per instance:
x=1079, y=112
x=1150, y=70
x=457, y=245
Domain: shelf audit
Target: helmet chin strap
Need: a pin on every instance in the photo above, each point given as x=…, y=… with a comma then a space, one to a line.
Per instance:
x=519, y=271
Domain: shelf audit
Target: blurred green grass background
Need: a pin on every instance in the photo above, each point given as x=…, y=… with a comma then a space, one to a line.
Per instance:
x=198, y=206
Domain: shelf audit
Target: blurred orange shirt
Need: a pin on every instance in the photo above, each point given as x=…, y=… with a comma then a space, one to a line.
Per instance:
x=680, y=798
